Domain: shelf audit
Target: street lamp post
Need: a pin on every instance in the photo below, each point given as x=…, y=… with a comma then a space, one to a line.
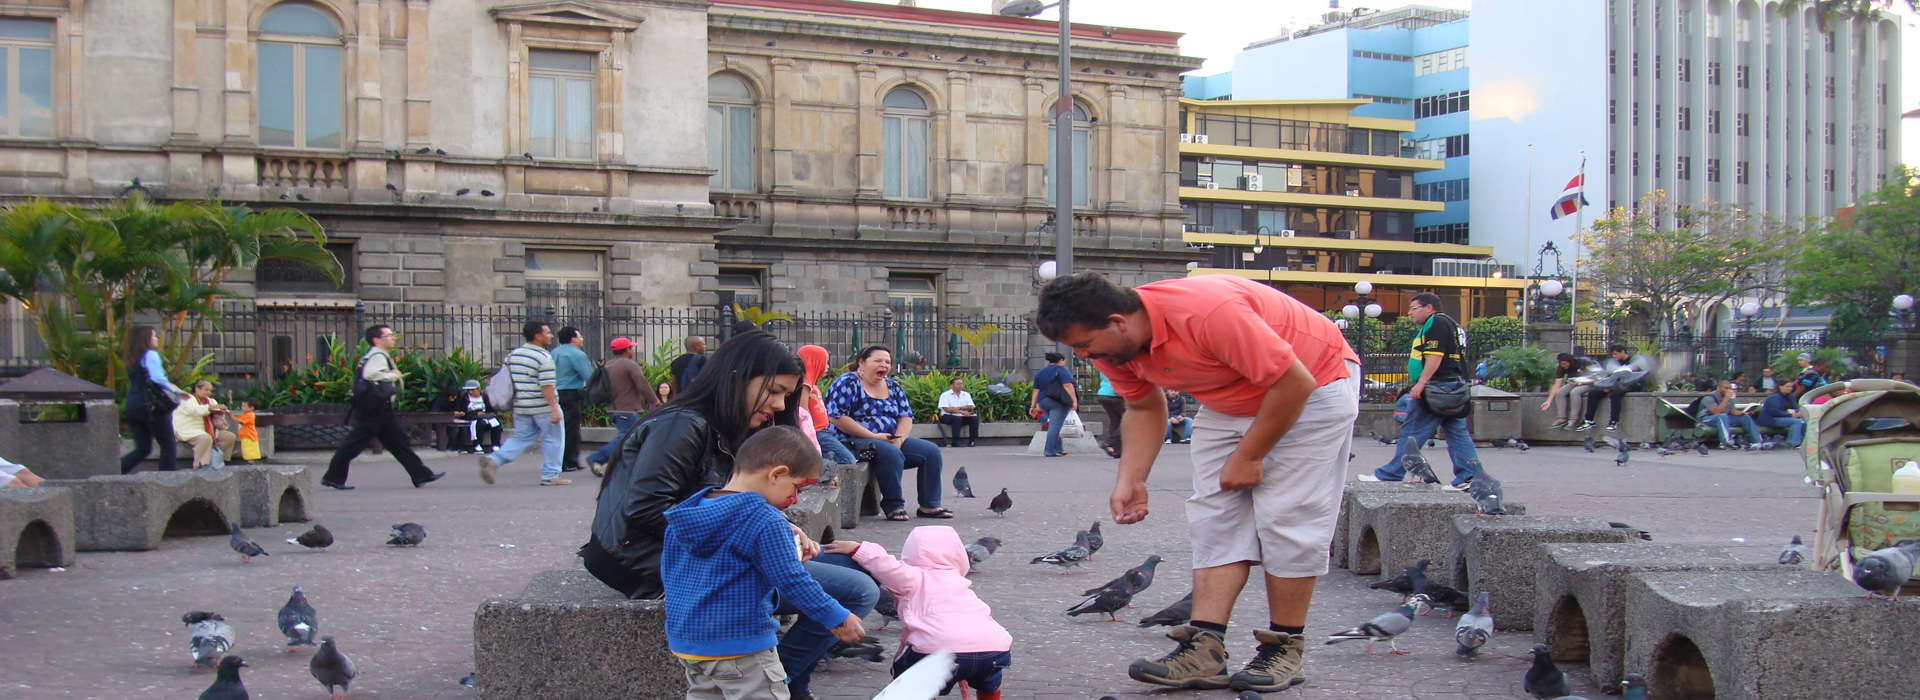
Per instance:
x=1903, y=311
x=1062, y=136
x=1364, y=306
x=1749, y=313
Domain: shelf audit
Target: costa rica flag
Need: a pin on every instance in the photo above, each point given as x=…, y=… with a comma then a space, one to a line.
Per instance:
x=1571, y=199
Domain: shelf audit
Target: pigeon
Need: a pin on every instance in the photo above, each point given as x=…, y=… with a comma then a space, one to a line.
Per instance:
x=1383, y=439
x=297, y=620
x=1619, y=444
x=1440, y=595
x=331, y=668
x=1474, y=629
x=317, y=538
x=1545, y=680
x=467, y=680
x=227, y=685
x=1173, y=615
x=462, y=192
x=925, y=680
x=303, y=198
x=1105, y=600
x=1001, y=503
x=208, y=637
x=1522, y=445
x=1620, y=459
x=1631, y=530
x=1486, y=491
x=1069, y=558
x=1663, y=451
x=867, y=648
x=1384, y=626
x=1402, y=584
x=1133, y=580
x=1701, y=448
x=888, y=607
x=1418, y=471
x=1633, y=687
x=408, y=535
x=1422, y=605
x=245, y=545
x=1794, y=553
x=1882, y=572
x=486, y=193
x=961, y=484
x=981, y=549
x=1244, y=694
x=1095, y=540
x=1587, y=442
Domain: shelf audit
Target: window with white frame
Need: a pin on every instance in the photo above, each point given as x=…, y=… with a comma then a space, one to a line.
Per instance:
x=1082, y=157
x=301, y=92
x=560, y=104
x=564, y=278
x=26, y=66
x=730, y=133
x=905, y=132
x=1440, y=61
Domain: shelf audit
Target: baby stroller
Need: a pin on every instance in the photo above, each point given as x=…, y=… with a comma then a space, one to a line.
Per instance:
x=1854, y=443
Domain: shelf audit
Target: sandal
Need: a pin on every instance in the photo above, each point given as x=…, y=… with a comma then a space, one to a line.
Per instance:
x=939, y=513
x=898, y=516
x=1112, y=448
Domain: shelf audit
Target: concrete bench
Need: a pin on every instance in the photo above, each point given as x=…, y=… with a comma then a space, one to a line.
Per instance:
x=1579, y=600
x=36, y=528
x=1390, y=530
x=1767, y=635
x=1340, y=555
x=1502, y=556
x=855, y=480
x=1001, y=431
x=615, y=648
x=271, y=494
x=133, y=513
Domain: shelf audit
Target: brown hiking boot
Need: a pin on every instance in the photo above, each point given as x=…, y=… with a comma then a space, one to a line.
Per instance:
x=1277, y=663
x=1199, y=662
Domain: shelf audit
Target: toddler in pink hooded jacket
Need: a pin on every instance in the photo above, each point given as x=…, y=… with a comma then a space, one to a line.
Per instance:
x=938, y=608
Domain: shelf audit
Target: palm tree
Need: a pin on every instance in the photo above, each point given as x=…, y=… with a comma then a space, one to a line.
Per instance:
x=219, y=241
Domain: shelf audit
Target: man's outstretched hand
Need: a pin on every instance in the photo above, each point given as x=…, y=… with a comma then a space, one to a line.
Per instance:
x=1129, y=502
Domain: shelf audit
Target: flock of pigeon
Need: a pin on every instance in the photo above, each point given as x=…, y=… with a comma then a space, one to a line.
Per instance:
x=209, y=637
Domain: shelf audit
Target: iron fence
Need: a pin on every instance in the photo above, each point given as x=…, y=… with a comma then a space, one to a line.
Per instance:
x=1720, y=356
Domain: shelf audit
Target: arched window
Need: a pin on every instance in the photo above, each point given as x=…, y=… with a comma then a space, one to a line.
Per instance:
x=730, y=133
x=905, y=129
x=300, y=90
x=1082, y=157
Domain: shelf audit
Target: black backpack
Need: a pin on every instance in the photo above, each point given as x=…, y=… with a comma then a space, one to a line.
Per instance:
x=372, y=398
x=599, y=387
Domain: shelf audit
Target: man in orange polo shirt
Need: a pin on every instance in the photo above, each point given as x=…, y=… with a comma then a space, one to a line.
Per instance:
x=1280, y=390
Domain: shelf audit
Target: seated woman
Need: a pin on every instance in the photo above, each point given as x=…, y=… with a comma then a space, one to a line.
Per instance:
x=17, y=475
x=201, y=422
x=870, y=410
x=751, y=382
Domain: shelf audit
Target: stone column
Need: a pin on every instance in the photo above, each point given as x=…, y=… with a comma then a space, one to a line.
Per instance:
x=419, y=93
x=1556, y=337
x=1036, y=150
x=186, y=92
x=1114, y=131
x=782, y=125
x=959, y=145
x=1903, y=354
x=365, y=87
x=867, y=159
x=1753, y=355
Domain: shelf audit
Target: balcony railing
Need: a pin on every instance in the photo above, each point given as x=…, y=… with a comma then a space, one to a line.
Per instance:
x=737, y=209
x=297, y=171
x=913, y=218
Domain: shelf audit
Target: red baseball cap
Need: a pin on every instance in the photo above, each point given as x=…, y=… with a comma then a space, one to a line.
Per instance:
x=619, y=344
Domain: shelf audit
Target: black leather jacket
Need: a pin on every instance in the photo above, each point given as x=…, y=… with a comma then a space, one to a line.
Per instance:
x=662, y=461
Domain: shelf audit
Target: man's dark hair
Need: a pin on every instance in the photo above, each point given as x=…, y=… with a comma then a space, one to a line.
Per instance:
x=532, y=329
x=1617, y=347
x=373, y=332
x=567, y=334
x=1053, y=357
x=779, y=446
x=1821, y=362
x=1082, y=299
x=1427, y=299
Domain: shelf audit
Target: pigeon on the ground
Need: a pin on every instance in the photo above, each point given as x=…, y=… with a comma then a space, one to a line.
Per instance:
x=1067, y=558
x=962, y=484
x=467, y=680
x=1173, y=615
x=1474, y=628
x=1446, y=596
x=1522, y=445
x=1882, y=572
x=1383, y=439
x=1701, y=448
x=208, y=637
x=1418, y=471
x=1545, y=680
x=1105, y=600
x=1144, y=572
x=245, y=545
x=408, y=535
x=1384, y=626
x=1133, y=580
x=867, y=648
x=1794, y=553
x=1619, y=444
x=1421, y=604
x=226, y=682
x=1663, y=451
x=981, y=550
x=1587, y=442
x=1620, y=459
x=332, y=668
x=317, y=538
x=1633, y=687
x=1000, y=503
x=297, y=620
x=1402, y=584
x=1095, y=540
x=888, y=607
x=925, y=680
x=1637, y=533
x=1486, y=491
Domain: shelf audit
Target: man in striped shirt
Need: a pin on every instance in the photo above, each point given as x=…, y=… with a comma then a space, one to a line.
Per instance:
x=536, y=409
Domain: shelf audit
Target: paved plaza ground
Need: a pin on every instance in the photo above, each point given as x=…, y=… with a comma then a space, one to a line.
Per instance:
x=109, y=627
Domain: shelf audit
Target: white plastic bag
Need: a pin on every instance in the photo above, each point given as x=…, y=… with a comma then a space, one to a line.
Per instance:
x=1072, y=427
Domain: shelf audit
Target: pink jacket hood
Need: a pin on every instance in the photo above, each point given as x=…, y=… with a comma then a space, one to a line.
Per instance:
x=936, y=601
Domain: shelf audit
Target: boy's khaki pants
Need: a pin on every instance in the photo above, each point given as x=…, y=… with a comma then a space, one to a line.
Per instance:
x=756, y=676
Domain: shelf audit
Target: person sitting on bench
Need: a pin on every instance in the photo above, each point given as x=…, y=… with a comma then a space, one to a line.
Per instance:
x=956, y=411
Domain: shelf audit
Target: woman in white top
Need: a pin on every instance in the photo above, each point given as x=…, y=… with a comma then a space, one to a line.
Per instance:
x=956, y=409
x=17, y=475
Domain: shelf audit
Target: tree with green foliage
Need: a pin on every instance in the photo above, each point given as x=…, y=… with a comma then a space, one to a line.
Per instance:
x=1856, y=264
x=1663, y=262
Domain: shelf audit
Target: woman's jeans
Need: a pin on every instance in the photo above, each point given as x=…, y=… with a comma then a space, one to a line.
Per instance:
x=156, y=429
x=890, y=463
x=808, y=641
x=1796, y=428
x=980, y=669
x=1056, y=419
x=1572, y=400
x=833, y=449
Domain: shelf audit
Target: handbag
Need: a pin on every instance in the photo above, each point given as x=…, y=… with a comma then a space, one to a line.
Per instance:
x=372, y=398
x=1448, y=402
x=160, y=401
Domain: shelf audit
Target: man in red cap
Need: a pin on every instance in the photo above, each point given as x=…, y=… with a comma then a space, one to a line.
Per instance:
x=632, y=396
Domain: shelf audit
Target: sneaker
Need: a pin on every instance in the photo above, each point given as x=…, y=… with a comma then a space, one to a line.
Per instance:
x=1462, y=486
x=1584, y=426
x=1558, y=424
x=1366, y=477
x=556, y=481
x=1199, y=662
x=487, y=468
x=1613, y=426
x=599, y=469
x=1278, y=663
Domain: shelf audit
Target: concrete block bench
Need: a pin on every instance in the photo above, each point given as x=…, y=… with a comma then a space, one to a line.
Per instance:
x=1580, y=608
x=1340, y=555
x=817, y=513
x=271, y=494
x=855, y=480
x=1502, y=556
x=614, y=647
x=133, y=513
x=36, y=528
x=1088, y=443
x=1390, y=530
x=1767, y=635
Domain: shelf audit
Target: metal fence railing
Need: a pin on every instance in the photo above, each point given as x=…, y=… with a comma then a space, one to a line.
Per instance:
x=1719, y=356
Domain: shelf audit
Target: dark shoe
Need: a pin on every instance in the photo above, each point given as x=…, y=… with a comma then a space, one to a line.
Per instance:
x=332, y=485
x=970, y=443
x=1199, y=662
x=1277, y=663
x=801, y=695
x=571, y=468
x=429, y=480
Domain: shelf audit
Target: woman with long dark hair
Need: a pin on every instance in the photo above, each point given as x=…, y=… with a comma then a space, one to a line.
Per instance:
x=751, y=382
x=869, y=410
x=148, y=423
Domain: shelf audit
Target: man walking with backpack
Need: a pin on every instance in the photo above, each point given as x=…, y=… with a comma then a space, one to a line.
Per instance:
x=536, y=409
x=629, y=395
x=1438, y=395
x=571, y=371
x=372, y=410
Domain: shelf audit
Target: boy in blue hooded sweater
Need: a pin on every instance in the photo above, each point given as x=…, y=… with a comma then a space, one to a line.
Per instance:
x=727, y=552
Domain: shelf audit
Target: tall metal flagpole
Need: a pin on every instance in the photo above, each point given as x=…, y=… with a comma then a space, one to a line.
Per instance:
x=1579, y=223
x=1526, y=225
x=1063, y=154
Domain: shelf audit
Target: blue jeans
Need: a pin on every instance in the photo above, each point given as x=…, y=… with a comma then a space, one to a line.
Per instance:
x=1725, y=422
x=890, y=464
x=1056, y=419
x=1796, y=428
x=530, y=429
x=1419, y=428
x=1182, y=430
x=808, y=641
x=621, y=421
x=980, y=669
x=833, y=449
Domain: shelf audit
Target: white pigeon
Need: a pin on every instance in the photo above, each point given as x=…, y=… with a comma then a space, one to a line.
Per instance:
x=1384, y=626
x=208, y=637
x=922, y=682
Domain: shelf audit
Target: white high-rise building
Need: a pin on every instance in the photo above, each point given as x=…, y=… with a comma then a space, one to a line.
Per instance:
x=1723, y=100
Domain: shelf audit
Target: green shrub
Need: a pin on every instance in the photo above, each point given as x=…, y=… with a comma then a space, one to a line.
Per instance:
x=331, y=381
x=923, y=394
x=1786, y=365
x=1529, y=367
x=1490, y=333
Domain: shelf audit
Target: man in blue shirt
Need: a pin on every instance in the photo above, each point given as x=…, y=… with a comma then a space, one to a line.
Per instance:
x=1779, y=412
x=571, y=370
